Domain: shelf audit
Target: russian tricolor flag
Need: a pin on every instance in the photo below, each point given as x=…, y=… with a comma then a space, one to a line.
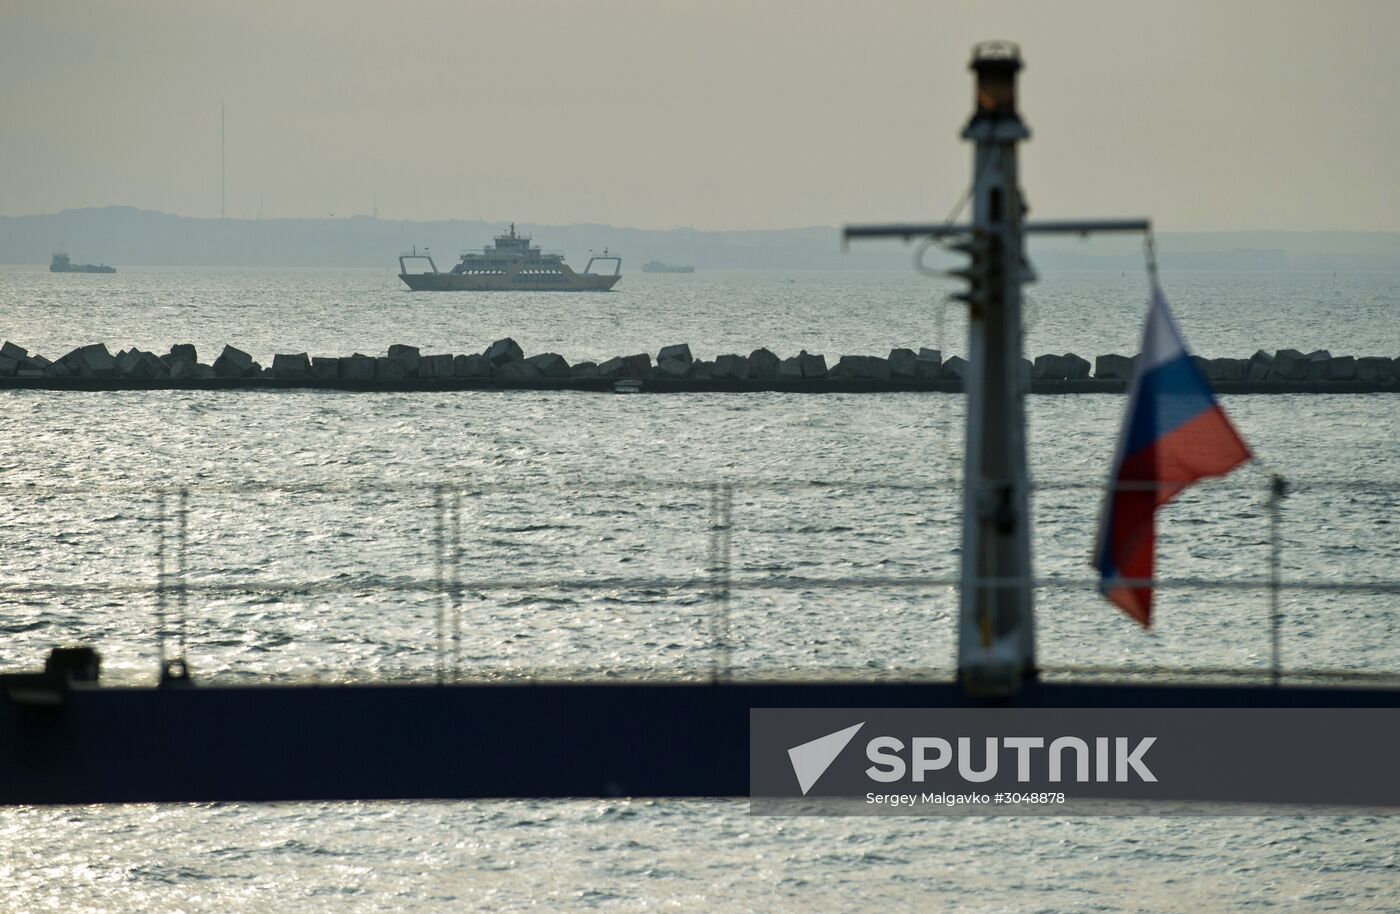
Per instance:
x=1174, y=434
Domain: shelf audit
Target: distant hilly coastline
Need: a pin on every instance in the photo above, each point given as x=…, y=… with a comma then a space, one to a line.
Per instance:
x=126, y=235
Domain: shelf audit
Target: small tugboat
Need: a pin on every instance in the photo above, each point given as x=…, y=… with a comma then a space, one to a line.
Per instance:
x=61, y=264
x=656, y=266
x=513, y=265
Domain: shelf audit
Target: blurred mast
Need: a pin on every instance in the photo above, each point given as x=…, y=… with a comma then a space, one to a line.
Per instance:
x=996, y=621
x=221, y=162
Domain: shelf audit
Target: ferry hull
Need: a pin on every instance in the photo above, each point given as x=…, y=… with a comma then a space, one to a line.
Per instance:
x=462, y=282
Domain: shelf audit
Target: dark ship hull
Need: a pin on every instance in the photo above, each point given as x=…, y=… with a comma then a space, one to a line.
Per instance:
x=522, y=281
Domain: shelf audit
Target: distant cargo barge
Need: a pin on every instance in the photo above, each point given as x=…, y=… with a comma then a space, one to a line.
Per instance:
x=61, y=264
x=656, y=266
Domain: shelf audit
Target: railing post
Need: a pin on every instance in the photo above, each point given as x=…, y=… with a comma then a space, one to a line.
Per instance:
x=456, y=520
x=183, y=567
x=721, y=555
x=1278, y=490
x=160, y=582
x=439, y=589
x=173, y=670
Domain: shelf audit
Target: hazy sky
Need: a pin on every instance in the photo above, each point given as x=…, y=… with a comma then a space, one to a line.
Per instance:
x=1205, y=116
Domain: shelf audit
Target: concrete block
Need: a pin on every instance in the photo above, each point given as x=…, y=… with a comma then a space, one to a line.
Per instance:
x=503, y=351
x=1048, y=367
x=408, y=355
x=613, y=368
x=861, y=366
x=181, y=352
x=91, y=362
x=638, y=366
x=435, y=366
x=935, y=354
x=1342, y=368
x=1319, y=365
x=251, y=367
x=549, y=365
x=1374, y=368
x=387, y=369
x=731, y=366
x=929, y=369
x=1290, y=364
x=702, y=369
x=471, y=366
x=763, y=364
x=324, y=368
x=954, y=369
x=584, y=370
x=1227, y=369
x=680, y=352
x=37, y=361
x=127, y=362
x=11, y=351
x=813, y=365
x=205, y=372
x=519, y=370
x=30, y=373
x=144, y=365
x=8, y=367
x=1076, y=367
x=1259, y=366
x=184, y=371
x=902, y=363
x=357, y=367
x=58, y=369
x=790, y=368
x=169, y=361
x=1113, y=367
x=233, y=363
x=1319, y=370
x=291, y=365
x=672, y=368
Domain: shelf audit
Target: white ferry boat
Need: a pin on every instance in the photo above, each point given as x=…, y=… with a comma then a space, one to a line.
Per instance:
x=513, y=264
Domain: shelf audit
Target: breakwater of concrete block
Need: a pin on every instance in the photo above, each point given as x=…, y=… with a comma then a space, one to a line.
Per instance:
x=504, y=366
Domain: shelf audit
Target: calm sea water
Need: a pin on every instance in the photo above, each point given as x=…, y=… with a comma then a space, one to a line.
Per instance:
x=312, y=524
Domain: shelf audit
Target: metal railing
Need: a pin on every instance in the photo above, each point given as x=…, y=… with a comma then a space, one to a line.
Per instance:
x=719, y=584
